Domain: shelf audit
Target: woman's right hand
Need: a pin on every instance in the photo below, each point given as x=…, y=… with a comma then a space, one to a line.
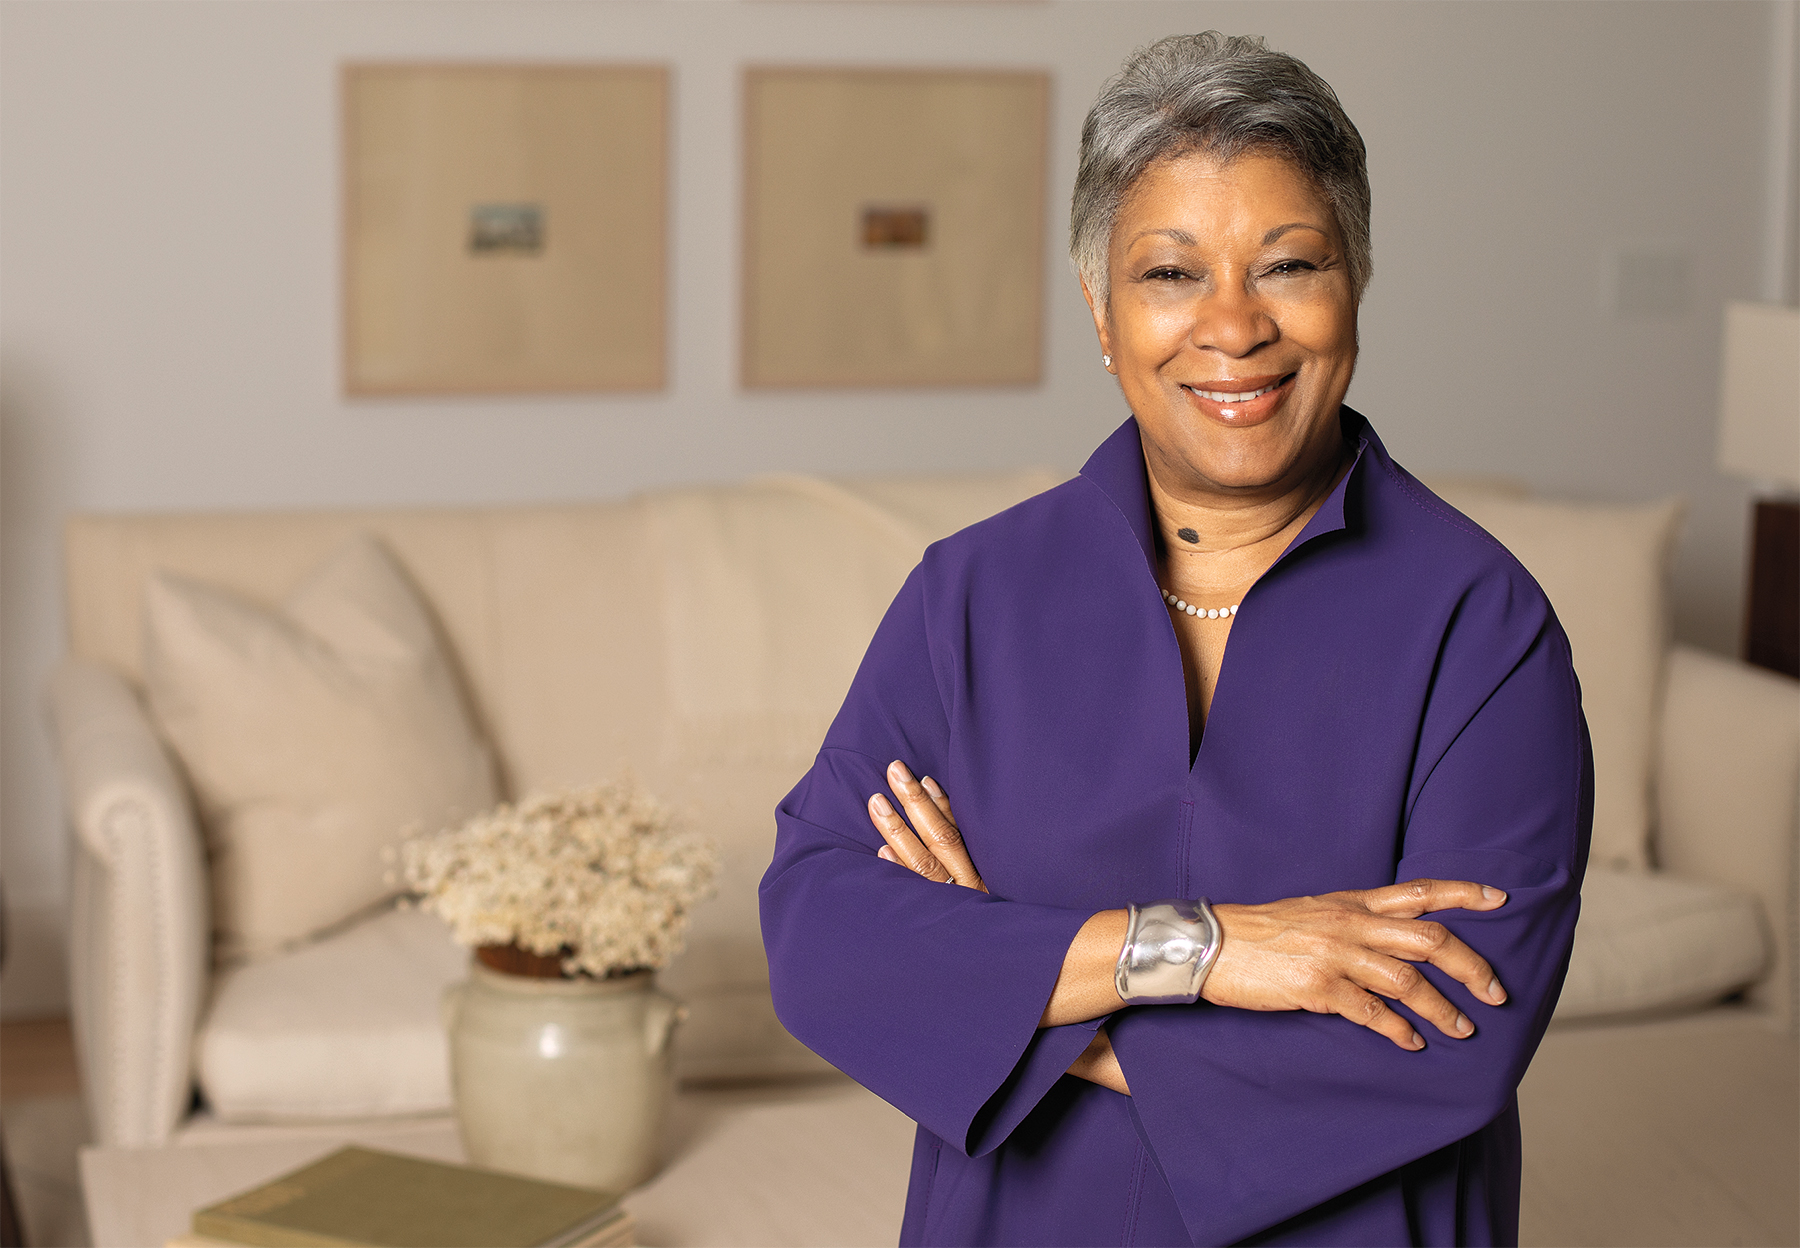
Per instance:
x=1344, y=952
x=936, y=850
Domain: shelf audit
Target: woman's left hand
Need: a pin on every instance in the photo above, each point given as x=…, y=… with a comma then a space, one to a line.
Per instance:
x=937, y=851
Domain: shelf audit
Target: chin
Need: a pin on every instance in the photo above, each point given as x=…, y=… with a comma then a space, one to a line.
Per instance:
x=1242, y=460
x=1248, y=476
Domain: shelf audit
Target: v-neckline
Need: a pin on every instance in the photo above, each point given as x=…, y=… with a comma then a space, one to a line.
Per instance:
x=1118, y=470
x=1209, y=716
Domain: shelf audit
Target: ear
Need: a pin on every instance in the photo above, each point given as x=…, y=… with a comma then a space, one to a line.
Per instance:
x=1102, y=322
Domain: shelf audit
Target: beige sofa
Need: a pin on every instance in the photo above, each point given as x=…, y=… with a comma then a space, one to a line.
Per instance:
x=590, y=640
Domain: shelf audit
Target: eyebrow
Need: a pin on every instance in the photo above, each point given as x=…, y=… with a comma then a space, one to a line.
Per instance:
x=1279, y=230
x=1180, y=236
x=1188, y=240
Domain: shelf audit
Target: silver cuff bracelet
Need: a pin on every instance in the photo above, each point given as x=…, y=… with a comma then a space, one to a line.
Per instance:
x=1170, y=946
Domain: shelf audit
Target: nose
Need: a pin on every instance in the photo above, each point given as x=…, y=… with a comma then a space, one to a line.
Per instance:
x=1233, y=322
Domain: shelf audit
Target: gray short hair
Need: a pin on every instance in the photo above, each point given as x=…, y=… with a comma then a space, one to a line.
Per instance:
x=1226, y=95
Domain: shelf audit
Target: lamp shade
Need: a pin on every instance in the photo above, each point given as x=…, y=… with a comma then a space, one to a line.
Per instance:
x=1759, y=394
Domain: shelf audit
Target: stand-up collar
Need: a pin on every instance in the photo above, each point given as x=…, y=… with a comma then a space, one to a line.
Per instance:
x=1117, y=468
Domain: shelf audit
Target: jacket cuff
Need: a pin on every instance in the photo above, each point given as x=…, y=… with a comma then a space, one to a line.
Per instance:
x=1047, y=1058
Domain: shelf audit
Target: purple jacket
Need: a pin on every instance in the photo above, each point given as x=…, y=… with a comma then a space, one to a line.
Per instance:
x=1396, y=701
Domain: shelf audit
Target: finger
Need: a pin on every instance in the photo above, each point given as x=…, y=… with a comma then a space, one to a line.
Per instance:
x=1416, y=897
x=939, y=798
x=1422, y=940
x=1437, y=944
x=902, y=846
x=1367, y=1010
x=1432, y=942
x=908, y=850
x=1404, y=982
x=939, y=833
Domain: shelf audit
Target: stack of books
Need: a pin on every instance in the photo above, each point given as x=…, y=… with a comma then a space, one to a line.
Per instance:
x=366, y=1198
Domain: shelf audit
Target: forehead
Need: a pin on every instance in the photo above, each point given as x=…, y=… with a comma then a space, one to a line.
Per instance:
x=1200, y=189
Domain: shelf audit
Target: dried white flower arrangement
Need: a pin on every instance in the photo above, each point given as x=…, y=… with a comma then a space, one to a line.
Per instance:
x=595, y=875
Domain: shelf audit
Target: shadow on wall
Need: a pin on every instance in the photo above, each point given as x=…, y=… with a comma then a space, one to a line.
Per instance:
x=36, y=459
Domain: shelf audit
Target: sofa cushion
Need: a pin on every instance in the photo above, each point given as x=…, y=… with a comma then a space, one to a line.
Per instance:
x=1660, y=942
x=314, y=737
x=1727, y=791
x=719, y=709
x=347, y=1027
x=1605, y=570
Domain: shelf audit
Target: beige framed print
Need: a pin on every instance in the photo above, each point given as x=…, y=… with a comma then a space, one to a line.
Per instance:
x=504, y=228
x=894, y=227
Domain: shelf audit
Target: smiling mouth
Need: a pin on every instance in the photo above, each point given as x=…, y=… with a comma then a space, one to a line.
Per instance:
x=1238, y=396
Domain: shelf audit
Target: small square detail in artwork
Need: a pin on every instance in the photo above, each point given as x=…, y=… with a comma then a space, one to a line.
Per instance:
x=894, y=227
x=885, y=228
x=454, y=283
x=506, y=229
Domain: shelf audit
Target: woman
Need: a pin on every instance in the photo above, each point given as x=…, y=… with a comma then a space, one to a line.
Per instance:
x=1397, y=733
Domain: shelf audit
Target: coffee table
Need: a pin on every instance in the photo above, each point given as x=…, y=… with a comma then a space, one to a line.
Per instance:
x=823, y=1163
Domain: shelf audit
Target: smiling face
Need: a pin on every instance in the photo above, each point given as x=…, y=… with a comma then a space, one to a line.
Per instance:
x=1231, y=323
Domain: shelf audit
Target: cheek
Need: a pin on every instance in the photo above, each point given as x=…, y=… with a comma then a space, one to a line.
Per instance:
x=1327, y=334
x=1152, y=329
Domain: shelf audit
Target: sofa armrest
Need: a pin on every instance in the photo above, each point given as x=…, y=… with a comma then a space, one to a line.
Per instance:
x=1728, y=794
x=139, y=916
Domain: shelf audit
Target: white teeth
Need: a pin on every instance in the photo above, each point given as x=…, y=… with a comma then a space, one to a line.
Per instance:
x=1221, y=396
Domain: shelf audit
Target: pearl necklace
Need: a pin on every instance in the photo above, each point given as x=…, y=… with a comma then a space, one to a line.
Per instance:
x=1179, y=605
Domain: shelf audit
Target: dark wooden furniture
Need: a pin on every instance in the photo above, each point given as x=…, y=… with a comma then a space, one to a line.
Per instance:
x=1772, y=616
x=12, y=1234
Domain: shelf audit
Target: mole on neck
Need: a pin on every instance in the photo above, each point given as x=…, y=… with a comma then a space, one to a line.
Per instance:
x=1188, y=535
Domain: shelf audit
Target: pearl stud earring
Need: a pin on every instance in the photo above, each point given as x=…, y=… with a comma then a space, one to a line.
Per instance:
x=1106, y=361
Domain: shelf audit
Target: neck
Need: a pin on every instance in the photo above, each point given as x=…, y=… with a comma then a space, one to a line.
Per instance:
x=1214, y=547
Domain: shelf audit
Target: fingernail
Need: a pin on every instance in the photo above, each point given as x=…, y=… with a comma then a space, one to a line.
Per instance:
x=1495, y=992
x=1463, y=1025
x=886, y=854
x=931, y=787
x=898, y=772
x=1418, y=1041
x=881, y=806
x=1492, y=894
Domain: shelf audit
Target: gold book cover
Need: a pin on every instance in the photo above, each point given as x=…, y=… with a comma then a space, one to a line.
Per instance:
x=366, y=1198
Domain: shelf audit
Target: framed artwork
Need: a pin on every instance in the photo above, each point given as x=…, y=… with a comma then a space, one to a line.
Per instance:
x=504, y=228
x=894, y=227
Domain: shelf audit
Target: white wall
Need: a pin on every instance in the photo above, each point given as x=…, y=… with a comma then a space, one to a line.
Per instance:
x=168, y=271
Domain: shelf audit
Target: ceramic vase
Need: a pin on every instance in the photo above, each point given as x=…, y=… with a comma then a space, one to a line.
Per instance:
x=561, y=1079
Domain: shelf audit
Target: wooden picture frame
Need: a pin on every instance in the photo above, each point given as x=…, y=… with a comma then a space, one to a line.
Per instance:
x=893, y=227
x=504, y=228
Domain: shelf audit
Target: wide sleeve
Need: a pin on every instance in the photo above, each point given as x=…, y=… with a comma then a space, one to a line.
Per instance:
x=1257, y=1117
x=927, y=994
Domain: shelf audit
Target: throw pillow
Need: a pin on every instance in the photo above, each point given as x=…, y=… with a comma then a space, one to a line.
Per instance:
x=315, y=738
x=1605, y=570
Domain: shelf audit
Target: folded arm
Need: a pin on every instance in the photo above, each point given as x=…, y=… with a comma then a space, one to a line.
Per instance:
x=1317, y=1109
x=929, y=996
x=1338, y=954
x=963, y=1008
